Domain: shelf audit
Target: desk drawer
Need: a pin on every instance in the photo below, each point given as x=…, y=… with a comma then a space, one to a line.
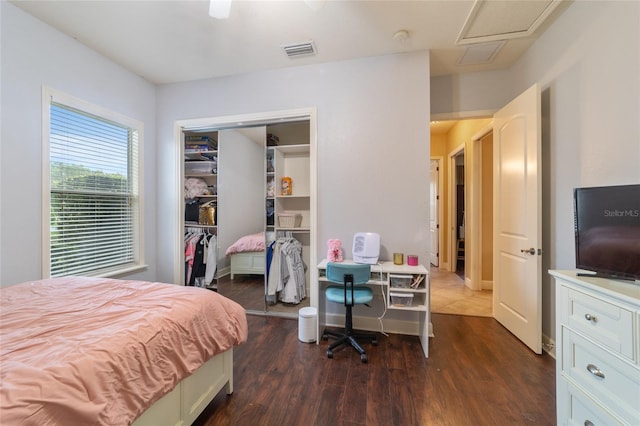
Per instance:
x=609, y=379
x=606, y=323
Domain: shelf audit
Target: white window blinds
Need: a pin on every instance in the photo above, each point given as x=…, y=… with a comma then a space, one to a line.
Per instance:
x=94, y=203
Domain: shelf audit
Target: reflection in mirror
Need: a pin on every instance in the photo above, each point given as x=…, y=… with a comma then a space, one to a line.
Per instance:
x=241, y=192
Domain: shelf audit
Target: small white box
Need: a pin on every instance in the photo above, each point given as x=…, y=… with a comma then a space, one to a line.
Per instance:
x=401, y=299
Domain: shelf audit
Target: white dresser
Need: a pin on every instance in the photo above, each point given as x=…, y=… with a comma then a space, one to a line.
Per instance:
x=597, y=350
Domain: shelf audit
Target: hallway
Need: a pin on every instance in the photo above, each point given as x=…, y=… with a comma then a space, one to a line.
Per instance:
x=449, y=295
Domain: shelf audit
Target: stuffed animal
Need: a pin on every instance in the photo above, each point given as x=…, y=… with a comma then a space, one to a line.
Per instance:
x=334, y=253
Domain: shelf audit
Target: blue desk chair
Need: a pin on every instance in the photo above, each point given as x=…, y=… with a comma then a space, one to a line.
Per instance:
x=350, y=293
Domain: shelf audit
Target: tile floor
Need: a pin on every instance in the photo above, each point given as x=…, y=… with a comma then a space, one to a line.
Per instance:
x=449, y=295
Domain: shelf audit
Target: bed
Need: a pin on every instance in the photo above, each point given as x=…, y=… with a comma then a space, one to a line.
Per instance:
x=105, y=351
x=248, y=255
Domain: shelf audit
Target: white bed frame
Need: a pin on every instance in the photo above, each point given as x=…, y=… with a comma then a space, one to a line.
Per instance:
x=191, y=396
x=251, y=262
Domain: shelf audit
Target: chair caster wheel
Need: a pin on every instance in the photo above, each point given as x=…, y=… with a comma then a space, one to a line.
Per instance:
x=329, y=354
x=364, y=358
x=374, y=342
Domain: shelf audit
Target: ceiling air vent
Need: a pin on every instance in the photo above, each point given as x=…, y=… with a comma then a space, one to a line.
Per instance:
x=299, y=49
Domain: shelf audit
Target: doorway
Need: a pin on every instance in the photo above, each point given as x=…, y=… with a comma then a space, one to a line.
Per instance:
x=517, y=215
x=456, y=287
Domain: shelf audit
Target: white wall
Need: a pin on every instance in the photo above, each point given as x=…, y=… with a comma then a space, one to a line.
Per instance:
x=373, y=143
x=482, y=92
x=33, y=55
x=588, y=64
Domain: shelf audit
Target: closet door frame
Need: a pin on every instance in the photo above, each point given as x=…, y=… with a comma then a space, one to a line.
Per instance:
x=239, y=121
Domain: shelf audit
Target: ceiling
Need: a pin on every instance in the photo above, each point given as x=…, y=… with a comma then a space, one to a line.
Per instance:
x=167, y=41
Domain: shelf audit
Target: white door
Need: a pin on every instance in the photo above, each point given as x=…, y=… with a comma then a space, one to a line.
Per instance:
x=517, y=291
x=434, y=220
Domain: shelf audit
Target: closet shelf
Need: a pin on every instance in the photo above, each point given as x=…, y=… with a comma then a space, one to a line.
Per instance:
x=291, y=149
x=200, y=174
x=197, y=225
x=200, y=155
x=299, y=229
x=284, y=197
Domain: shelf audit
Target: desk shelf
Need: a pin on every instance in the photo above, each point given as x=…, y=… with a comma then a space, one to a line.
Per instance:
x=419, y=308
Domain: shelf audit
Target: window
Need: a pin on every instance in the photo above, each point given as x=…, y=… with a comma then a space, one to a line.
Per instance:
x=93, y=189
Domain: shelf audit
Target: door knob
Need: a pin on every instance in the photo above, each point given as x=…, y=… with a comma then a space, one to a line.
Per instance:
x=530, y=251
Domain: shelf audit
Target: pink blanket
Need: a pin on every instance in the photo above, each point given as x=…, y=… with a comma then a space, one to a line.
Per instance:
x=101, y=351
x=248, y=243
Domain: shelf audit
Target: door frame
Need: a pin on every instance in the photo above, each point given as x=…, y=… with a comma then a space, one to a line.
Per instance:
x=440, y=209
x=474, y=209
x=452, y=204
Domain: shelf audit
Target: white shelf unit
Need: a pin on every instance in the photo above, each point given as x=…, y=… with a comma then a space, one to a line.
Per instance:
x=292, y=161
x=419, y=293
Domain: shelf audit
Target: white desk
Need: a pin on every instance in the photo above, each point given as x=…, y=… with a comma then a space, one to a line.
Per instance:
x=413, y=320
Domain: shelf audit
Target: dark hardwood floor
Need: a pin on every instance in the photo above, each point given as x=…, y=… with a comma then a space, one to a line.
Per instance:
x=248, y=291
x=477, y=374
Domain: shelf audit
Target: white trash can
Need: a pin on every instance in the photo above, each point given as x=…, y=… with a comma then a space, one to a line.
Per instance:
x=307, y=320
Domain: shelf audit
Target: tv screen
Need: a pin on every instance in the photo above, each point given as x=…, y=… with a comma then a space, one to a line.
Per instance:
x=607, y=230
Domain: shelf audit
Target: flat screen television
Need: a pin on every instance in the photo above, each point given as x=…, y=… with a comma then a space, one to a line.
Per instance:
x=607, y=231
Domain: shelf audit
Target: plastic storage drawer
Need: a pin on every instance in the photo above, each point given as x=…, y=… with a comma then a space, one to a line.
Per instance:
x=401, y=299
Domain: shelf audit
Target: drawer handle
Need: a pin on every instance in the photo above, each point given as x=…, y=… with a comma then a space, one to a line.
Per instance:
x=590, y=317
x=588, y=423
x=595, y=371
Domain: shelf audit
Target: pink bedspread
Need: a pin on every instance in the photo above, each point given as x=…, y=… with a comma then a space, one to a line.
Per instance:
x=101, y=351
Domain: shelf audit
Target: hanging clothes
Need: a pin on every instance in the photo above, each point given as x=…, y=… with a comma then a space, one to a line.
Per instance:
x=200, y=254
x=273, y=283
x=198, y=267
x=286, y=279
x=190, y=241
x=211, y=259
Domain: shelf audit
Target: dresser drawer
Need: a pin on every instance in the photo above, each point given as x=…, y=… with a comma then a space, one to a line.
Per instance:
x=576, y=408
x=608, y=324
x=607, y=378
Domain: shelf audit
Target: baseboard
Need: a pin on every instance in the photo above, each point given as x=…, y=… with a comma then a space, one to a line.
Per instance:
x=487, y=285
x=222, y=272
x=549, y=346
x=468, y=283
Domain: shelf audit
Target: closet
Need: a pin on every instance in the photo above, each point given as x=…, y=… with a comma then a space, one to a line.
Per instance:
x=200, y=175
x=243, y=171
